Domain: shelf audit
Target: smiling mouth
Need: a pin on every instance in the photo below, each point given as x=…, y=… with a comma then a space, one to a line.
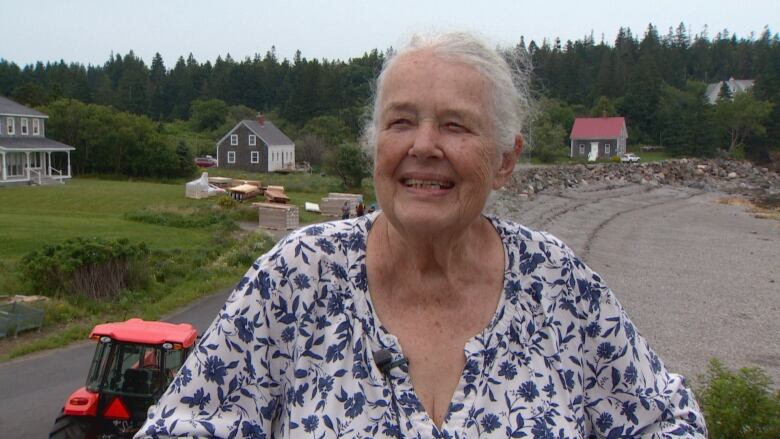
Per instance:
x=427, y=184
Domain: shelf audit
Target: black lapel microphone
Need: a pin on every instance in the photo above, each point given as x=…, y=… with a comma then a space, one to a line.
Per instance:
x=384, y=361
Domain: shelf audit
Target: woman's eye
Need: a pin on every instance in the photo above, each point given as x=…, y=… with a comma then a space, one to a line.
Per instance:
x=455, y=127
x=399, y=122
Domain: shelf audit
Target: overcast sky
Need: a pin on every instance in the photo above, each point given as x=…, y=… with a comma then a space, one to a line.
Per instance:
x=87, y=31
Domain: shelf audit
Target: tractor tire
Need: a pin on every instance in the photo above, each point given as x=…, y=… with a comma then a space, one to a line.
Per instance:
x=72, y=427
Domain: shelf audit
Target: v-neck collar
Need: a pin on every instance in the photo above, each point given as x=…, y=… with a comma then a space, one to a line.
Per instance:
x=479, y=350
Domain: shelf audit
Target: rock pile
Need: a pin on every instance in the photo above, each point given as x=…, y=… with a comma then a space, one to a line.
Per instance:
x=729, y=176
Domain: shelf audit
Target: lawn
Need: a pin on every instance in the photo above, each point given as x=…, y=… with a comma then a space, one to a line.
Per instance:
x=33, y=216
x=189, y=262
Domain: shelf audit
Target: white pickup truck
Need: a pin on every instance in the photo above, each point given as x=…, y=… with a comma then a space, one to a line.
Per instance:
x=629, y=157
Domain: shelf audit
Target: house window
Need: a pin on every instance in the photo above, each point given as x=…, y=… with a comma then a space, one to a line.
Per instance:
x=231, y=156
x=10, y=126
x=36, y=127
x=255, y=156
x=15, y=164
x=252, y=140
x=606, y=148
x=582, y=148
x=234, y=139
x=24, y=126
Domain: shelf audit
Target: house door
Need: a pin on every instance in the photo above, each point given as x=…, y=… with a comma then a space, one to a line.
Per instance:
x=594, y=152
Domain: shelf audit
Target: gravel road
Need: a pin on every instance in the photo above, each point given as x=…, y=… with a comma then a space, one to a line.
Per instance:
x=700, y=279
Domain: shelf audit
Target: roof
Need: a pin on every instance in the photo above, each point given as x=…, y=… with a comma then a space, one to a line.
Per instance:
x=32, y=144
x=140, y=331
x=598, y=127
x=267, y=132
x=11, y=108
x=735, y=86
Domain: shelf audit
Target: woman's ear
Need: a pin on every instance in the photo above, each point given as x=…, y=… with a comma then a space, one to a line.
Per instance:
x=508, y=160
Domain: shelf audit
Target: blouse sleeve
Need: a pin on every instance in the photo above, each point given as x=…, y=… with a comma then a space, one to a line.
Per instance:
x=628, y=391
x=229, y=386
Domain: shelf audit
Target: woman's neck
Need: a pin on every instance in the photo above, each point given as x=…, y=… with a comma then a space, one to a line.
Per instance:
x=449, y=256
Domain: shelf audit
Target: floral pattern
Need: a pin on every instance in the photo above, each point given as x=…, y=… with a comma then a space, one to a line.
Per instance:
x=291, y=354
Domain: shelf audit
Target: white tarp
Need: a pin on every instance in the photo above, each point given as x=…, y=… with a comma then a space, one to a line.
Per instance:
x=201, y=188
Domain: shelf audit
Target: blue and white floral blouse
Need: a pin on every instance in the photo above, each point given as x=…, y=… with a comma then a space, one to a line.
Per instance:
x=291, y=355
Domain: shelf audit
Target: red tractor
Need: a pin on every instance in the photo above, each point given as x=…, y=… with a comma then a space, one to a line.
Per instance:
x=133, y=364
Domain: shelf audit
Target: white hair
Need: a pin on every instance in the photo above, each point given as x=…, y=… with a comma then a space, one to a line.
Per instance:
x=507, y=73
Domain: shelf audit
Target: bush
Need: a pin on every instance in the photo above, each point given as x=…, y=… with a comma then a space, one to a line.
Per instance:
x=615, y=159
x=94, y=267
x=739, y=404
x=227, y=202
x=247, y=250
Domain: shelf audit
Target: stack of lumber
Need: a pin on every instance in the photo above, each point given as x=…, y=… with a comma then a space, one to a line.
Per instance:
x=275, y=194
x=277, y=216
x=252, y=182
x=244, y=192
x=331, y=205
x=223, y=182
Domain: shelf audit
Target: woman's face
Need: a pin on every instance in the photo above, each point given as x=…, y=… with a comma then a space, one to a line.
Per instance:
x=436, y=155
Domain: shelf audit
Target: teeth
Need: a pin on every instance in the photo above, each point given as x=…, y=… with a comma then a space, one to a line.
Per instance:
x=426, y=184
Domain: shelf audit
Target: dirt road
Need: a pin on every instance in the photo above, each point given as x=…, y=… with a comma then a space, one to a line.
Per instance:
x=700, y=279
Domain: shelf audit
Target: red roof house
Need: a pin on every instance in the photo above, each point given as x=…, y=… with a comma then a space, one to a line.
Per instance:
x=595, y=137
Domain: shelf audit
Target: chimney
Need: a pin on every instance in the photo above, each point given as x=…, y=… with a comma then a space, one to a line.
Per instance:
x=260, y=118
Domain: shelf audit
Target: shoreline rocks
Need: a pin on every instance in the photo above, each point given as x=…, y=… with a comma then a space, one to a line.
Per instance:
x=729, y=176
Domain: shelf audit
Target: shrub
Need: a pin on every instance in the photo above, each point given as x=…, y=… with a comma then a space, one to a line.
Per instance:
x=246, y=250
x=615, y=159
x=739, y=404
x=226, y=202
x=95, y=267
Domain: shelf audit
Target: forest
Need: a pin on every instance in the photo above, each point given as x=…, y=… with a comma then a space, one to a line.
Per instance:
x=656, y=80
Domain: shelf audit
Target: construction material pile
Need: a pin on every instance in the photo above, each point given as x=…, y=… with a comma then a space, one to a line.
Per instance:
x=277, y=216
x=202, y=188
x=245, y=191
x=333, y=203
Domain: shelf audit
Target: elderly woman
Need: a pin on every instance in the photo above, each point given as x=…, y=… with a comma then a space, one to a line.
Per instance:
x=427, y=318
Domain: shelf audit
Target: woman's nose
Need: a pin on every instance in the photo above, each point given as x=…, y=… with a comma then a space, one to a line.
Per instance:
x=426, y=142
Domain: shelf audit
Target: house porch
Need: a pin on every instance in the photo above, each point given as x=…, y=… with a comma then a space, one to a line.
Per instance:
x=34, y=167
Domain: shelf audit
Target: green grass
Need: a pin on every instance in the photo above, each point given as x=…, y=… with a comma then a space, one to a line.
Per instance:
x=646, y=156
x=187, y=263
x=67, y=323
x=653, y=156
x=34, y=216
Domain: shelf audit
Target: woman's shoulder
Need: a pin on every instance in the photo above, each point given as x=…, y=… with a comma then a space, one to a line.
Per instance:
x=331, y=239
x=513, y=233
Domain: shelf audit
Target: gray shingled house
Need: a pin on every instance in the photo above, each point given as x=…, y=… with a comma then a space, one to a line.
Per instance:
x=26, y=155
x=256, y=146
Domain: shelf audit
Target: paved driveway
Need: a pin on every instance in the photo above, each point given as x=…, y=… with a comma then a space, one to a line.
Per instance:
x=699, y=279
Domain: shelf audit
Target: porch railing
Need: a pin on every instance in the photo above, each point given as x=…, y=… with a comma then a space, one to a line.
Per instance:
x=59, y=173
x=37, y=172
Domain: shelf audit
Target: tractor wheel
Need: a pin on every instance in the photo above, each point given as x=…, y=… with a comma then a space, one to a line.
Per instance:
x=72, y=427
